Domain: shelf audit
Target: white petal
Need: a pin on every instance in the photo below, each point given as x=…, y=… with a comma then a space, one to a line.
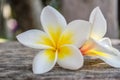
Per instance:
x=99, y=25
x=113, y=60
x=106, y=41
x=77, y=32
x=53, y=22
x=108, y=54
x=44, y=61
x=51, y=16
x=69, y=57
x=35, y=39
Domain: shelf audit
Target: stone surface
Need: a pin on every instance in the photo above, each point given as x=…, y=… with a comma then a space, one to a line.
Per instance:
x=16, y=64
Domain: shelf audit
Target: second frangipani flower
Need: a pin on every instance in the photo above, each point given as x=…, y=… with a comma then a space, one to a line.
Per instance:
x=97, y=46
x=60, y=42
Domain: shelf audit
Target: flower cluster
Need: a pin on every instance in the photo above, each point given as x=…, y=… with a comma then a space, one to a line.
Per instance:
x=66, y=44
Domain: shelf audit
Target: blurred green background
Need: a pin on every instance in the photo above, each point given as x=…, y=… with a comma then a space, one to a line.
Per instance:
x=17, y=16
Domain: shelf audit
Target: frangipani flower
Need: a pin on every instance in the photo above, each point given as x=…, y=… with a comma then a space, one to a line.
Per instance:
x=60, y=42
x=97, y=46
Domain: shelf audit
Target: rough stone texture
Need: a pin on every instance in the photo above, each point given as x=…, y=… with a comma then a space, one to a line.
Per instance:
x=16, y=64
x=81, y=9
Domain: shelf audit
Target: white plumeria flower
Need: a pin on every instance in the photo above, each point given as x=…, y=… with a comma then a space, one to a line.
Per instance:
x=60, y=42
x=97, y=45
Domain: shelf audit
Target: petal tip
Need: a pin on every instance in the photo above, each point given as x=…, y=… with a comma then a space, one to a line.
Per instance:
x=47, y=8
x=79, y=21
x=38, y=72
x=97, y=8
x=18, y=37
x=35, y=72
x=80, y=66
